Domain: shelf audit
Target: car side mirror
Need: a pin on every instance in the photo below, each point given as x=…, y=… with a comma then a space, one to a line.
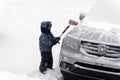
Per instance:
x=82, y=16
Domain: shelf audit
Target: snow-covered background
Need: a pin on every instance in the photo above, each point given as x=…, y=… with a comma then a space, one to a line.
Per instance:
x=20, y=30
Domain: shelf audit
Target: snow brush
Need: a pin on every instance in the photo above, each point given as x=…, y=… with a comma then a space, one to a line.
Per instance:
x=71, y=22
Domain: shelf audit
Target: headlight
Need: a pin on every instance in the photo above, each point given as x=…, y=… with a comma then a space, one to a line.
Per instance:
x=72, y=42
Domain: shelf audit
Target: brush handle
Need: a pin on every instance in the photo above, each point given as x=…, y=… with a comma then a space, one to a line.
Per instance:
x=71, y=22
x=65, y=30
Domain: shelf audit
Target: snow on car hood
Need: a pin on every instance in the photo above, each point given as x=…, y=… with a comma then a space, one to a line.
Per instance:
x=104, y=23
x=95, y=34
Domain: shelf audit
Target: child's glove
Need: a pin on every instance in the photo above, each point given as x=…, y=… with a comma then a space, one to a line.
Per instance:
x=56, y=40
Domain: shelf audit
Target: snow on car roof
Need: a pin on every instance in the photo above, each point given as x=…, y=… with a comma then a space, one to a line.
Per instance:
x=105, y=11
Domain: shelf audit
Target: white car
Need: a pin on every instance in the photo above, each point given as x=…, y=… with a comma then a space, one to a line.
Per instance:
x=91, y=51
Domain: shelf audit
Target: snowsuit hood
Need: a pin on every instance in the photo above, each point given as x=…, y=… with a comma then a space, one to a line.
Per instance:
x=45, y=27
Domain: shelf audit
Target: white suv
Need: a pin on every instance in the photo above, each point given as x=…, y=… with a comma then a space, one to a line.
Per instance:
x=91, y=51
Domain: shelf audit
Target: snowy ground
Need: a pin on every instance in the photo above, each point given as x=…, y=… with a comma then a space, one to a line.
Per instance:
x=19, y=33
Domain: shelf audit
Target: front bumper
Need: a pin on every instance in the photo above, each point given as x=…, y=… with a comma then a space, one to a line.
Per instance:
x=87, y=72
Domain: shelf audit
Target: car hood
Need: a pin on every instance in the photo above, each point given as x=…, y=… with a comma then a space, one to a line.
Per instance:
x=103, y=20
x=94, y=34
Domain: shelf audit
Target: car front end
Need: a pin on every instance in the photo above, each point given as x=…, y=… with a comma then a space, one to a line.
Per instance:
x=90, y=54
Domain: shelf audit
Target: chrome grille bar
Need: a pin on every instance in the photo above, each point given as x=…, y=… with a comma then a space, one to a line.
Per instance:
x=92, y=48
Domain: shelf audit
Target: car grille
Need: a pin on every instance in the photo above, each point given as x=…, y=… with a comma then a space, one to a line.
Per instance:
x=98, y=49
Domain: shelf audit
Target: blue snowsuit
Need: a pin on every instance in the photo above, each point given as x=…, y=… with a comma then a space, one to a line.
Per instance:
x=46, y=41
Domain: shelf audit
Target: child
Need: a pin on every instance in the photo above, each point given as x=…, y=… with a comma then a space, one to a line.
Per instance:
x=46, y=41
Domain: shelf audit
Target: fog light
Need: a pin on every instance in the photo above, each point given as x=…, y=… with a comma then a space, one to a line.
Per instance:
x=63, y=65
